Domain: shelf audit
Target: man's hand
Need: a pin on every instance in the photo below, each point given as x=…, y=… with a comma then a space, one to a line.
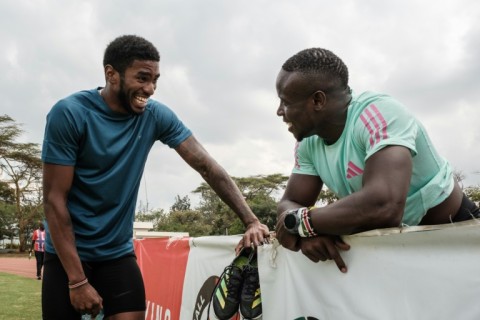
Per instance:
x=325, y=248
x=286, y=239
x=256, y=234
x=86, y=300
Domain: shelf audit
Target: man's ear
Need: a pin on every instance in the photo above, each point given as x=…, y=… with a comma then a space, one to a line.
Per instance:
x=319, y=99
x=111, y=75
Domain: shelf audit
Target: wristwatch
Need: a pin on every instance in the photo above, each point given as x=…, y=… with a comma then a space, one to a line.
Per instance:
x=292, y=221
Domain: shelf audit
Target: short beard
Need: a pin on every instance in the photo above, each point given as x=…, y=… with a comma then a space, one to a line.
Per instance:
x=122, y=97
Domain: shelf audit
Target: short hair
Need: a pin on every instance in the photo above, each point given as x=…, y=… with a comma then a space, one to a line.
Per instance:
x=121, y=52
x=318, y=61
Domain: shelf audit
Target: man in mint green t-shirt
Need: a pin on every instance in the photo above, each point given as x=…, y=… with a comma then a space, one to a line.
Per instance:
x=368, y=149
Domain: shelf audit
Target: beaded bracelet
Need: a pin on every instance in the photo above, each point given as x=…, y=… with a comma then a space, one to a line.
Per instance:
x=78, y=284
x=305, y=229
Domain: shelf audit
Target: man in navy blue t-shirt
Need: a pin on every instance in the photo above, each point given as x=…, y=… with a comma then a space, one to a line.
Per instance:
x=95, y=147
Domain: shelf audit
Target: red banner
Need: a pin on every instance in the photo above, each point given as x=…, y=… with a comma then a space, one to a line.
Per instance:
x=163, y=266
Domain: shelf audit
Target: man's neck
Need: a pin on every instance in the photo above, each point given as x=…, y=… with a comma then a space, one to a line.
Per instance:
x=339, y=117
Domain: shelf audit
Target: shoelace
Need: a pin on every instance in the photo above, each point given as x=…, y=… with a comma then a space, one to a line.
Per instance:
x=234, y=282
x=238, y=278
x=251, y=280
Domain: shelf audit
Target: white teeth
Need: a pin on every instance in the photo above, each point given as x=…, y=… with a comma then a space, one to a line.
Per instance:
x=141, y=99
x=289, y=124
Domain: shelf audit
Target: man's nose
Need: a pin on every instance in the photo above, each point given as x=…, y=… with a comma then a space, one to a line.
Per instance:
x=150, y=88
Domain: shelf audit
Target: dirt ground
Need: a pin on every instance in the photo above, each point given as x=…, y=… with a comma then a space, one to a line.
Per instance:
x=21, y=266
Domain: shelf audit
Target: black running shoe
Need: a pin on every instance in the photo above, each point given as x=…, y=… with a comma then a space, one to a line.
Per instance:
x=251, y=298
x=226, y=295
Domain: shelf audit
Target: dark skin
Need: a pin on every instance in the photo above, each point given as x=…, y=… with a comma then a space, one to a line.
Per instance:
x=128, y=94
x=386, y=179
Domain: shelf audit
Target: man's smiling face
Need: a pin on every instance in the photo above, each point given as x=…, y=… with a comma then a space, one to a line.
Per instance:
x=137, y=84
x=294, y=105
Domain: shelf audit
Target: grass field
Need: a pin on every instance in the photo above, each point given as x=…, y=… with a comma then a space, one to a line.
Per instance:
x=19, y=298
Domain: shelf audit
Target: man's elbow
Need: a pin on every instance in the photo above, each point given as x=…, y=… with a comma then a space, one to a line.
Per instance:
x=390, y=215
x=282, y=206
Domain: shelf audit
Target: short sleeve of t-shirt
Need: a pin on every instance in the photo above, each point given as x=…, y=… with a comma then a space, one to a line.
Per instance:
x=303, y=161
x=62, y=134
x=382, y=123
x=171, y=130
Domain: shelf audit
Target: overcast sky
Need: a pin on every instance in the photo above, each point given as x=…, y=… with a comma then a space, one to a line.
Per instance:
x=220, y=59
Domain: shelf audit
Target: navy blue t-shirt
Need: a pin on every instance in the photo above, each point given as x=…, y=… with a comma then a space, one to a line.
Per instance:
x=108, y=150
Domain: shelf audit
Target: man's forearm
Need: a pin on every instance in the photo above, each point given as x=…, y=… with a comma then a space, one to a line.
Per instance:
x=217, y=178
x=355, y=213
x=228, y=191
x=63, y=238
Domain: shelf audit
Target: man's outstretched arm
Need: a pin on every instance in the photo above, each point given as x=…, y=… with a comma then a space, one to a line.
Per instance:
x=215, y=175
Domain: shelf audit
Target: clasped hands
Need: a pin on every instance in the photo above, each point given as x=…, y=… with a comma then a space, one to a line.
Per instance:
x=317, y=248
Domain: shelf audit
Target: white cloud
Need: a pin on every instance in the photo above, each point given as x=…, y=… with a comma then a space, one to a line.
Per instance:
x=219, y=64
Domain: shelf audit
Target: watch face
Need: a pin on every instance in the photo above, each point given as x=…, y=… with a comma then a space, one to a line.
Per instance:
x=290, y=221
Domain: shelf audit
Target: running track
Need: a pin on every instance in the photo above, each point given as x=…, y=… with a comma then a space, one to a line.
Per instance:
x=21, y=266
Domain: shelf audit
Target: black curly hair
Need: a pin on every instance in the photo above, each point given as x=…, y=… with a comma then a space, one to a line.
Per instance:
x=318, y=61
x=122, y=51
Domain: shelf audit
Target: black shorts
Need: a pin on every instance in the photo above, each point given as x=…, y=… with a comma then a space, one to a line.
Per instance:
x=118, y=281
x=468, y=210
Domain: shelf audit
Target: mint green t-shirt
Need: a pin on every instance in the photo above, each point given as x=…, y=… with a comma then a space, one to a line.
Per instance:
x=375, y=121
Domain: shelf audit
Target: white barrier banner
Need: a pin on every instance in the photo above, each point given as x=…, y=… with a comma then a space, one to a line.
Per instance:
x=207, y=259
x=393, y=274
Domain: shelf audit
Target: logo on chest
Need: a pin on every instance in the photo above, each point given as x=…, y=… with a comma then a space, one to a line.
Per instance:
x=353, y=170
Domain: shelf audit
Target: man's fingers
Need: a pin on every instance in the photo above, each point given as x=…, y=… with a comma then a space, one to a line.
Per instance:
x=87, y=302
x=341, y=244
x=256, y=239
x=335, y=256
x=314, y=254
x=96, y=307
x=239, y=247
x=341, y=265
x=312, y=257
x=95, y=312
x=246, y=241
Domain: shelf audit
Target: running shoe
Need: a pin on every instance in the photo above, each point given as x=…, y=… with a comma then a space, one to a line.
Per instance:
x=251, y=298
x=226, y=295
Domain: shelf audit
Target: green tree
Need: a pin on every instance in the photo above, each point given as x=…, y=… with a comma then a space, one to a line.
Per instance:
x=191, y=221
x=7, y=221
x=216, y=213
x=20, y=170
x=6, y=193
x=181, y=204
x=261, y=193
x=473, y=192
x=326, y=196
x=157, y=217
x=7, y=209
x=182, y=218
